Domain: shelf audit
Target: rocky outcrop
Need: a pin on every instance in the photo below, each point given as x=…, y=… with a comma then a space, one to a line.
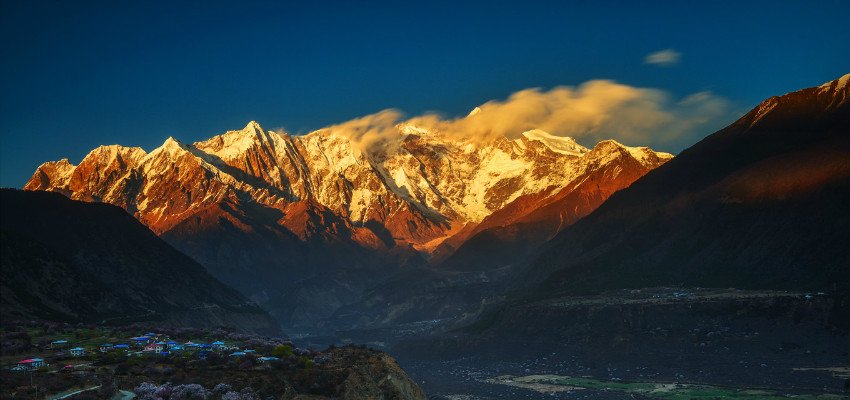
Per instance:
x=379, y=377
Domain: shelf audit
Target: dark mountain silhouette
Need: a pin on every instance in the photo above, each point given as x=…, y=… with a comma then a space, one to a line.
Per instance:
x=74, y=261
x=762, y=203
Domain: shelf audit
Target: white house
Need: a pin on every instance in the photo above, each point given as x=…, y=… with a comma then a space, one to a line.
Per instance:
x=155, y=347
x=31, y=363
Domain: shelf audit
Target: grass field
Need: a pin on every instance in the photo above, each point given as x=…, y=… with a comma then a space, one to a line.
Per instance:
x=664, y=391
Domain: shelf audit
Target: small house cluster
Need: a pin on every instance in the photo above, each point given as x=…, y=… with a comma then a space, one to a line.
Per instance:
x=150, y=343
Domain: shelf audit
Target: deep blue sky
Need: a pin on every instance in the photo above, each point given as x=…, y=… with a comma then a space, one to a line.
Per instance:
x=76, y=75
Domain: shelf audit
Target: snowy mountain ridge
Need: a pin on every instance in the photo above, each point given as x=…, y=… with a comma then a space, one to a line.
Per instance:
x=428, y=180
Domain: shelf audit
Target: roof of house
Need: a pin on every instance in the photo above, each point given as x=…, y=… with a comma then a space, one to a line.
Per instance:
x=77, y=349
x=238, y=353
x=106, y=345
x=218, y=342
x=59, y=341
x=121, y=346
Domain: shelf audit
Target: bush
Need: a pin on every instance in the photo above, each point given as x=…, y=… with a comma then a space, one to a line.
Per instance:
x=244, y=394
x=221, y=388
x=305, y=362
x=146, y=391
x=192, y=391
x=150, y=391
x=282, y=351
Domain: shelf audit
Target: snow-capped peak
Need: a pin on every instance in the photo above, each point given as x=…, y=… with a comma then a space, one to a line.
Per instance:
x=410, y=129
x=644, y=155
x=838, y=90
x=170, y=146
x=234, y=143
x=559, y=144
x=254, y=127
x=839, y=83
x=113, y=151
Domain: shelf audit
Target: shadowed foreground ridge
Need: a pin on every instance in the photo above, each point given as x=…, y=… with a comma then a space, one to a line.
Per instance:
x=760, y=204
x=73, y=261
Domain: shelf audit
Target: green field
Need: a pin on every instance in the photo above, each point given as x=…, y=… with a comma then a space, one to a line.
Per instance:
x=665, y=391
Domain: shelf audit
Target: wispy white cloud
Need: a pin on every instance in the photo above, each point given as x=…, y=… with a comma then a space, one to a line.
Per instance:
x=592, y=111
x=663, y=58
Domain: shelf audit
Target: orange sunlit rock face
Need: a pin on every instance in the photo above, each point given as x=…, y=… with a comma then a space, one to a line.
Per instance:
x=323, y=186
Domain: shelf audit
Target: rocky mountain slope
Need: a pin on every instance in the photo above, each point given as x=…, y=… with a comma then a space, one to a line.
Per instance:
x=761, y=203
x=73, y=261
x=307, y=223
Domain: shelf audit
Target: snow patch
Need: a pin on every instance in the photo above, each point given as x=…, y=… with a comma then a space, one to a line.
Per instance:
x=840, y=83
x=558, y=144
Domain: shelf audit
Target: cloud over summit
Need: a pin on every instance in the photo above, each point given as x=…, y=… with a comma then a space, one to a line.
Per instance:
x=590, y=112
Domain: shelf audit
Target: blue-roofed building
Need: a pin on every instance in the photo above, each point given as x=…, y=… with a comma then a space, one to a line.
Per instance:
x=249, y=351
x=218, y=344
x=121, y=347
x=105, y=347
x=58, y=344
x=78, y=352
x=176, y=347
x=267, y=359
x=238, y=354
x=141, y=340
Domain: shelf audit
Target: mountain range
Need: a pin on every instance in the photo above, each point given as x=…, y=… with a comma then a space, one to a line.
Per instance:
x=318, y=227
x=307, y=224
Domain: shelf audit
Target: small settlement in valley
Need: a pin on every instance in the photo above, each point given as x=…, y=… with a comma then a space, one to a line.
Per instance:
x=68, y=354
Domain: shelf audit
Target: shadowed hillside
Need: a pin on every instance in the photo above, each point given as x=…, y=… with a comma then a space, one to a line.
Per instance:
x=90, y=262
